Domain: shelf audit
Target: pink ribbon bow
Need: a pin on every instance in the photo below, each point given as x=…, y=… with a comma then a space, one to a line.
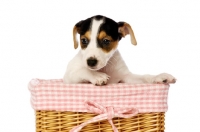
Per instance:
x=105, y=113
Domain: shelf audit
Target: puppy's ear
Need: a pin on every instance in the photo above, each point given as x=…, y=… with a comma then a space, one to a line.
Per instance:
x=76, y=30
x=124, y=29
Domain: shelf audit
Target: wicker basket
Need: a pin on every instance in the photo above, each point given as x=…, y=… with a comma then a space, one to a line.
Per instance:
x=52, y=119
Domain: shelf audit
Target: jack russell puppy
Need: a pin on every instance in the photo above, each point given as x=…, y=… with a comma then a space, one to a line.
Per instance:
x=99, y=62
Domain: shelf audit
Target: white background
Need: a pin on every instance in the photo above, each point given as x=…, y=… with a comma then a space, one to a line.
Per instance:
x=36, y=42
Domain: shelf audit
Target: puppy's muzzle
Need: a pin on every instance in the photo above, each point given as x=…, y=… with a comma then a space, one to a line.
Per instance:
x=92, y=62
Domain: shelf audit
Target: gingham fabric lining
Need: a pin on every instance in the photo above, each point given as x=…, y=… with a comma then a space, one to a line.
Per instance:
x=55, y=95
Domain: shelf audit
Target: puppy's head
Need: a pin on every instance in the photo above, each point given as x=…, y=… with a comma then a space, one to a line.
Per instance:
x=99, y=37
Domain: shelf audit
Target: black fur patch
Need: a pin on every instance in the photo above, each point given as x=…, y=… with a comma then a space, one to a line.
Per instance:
x=98, y=17
x=83, y=26
x=111, y=28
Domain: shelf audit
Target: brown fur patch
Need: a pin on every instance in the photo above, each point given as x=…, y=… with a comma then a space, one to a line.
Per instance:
x=86, y=36
x=112, y=45
x=126, y=29
x=106, y=48
x=101, y=35
x=74, y=37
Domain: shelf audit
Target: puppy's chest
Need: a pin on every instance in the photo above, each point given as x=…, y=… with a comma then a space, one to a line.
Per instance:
x=105, y=70
x=111, y=71
x=114, y=76
x=111, y=68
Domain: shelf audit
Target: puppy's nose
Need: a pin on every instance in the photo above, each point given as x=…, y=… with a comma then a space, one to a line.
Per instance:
x=92, y=62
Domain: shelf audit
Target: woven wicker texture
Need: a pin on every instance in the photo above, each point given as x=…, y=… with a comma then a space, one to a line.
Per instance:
x=54, y=121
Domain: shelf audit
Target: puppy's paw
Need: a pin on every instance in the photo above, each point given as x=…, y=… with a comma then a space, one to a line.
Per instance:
x=164, y=78
x=99, y=78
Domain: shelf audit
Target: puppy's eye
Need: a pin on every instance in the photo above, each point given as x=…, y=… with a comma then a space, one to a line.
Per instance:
x=106, y=41
x=84, y=41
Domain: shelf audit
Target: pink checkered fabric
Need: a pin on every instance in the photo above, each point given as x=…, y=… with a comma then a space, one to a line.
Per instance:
x=55, y=95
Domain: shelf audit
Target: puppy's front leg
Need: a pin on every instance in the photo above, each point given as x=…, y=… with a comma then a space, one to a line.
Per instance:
x=161, y=78
x=86, y=75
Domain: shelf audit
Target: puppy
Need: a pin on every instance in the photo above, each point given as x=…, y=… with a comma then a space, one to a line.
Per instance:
x=99, y=62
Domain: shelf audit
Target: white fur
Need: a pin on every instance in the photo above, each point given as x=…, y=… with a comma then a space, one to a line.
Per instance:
x=110, y=69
